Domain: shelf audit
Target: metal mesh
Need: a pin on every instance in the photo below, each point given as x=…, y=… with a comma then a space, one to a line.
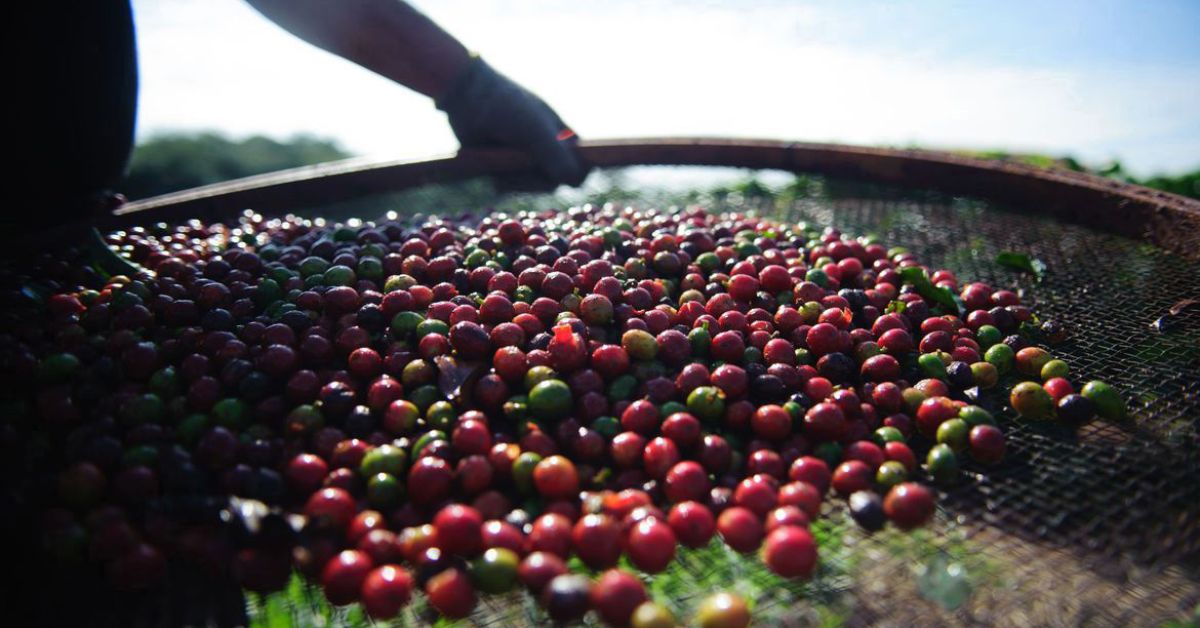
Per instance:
x=1098, y=525
x=1092, y=526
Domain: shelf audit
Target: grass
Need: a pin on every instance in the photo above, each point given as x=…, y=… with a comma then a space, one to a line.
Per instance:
x=694, y=574
x=827, y=599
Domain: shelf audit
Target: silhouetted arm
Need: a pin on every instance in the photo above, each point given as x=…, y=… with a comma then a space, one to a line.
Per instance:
x=388, y=37
x=392, y=39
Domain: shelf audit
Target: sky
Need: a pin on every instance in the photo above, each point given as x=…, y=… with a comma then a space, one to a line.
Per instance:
x=1100, y=80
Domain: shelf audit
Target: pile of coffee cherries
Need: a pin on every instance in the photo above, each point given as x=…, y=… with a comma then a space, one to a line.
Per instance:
x=462, y=406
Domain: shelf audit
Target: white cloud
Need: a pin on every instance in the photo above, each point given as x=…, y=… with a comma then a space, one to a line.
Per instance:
x=661, y=68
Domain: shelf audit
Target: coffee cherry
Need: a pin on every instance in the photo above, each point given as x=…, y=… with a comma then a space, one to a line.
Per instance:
x=791, y=552
x=909, y=505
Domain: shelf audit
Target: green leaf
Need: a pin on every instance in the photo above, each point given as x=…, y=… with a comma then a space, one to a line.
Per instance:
x=1022, y=262
x=949, y=301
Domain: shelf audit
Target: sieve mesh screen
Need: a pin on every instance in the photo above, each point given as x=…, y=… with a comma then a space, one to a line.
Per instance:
x=1098, y=525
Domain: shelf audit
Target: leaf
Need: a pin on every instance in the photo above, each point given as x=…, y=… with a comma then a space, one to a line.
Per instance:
x=916, y=276
x=1022, y=262
x=896, y=306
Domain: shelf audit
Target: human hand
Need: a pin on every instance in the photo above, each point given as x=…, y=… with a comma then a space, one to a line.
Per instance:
x=487, y=108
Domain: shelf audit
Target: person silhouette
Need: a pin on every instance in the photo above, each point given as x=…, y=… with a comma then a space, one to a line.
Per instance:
x=73, y=122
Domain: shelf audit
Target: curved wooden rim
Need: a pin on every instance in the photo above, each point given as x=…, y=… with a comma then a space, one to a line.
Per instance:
x=1165, y=219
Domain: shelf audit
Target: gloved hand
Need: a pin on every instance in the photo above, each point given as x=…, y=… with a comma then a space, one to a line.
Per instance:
x=487, y=108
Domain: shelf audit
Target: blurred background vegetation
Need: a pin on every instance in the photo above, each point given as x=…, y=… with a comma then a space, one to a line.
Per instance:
x=178, y=161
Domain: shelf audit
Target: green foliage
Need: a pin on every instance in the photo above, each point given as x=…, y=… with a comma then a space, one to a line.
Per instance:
x=1186, y=184
x=944, y=297
x=695, y=574
x=1190, y=622
x=1022, y=262
x=178, y=161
